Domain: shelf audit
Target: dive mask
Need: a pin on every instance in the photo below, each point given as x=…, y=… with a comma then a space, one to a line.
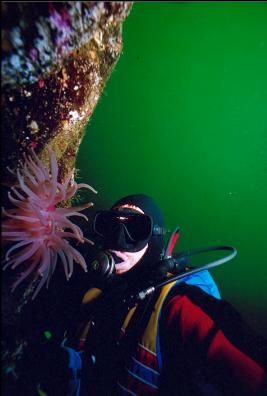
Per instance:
x=124, y=229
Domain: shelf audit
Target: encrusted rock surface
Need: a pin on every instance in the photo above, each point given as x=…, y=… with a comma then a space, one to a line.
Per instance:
x=56, y=59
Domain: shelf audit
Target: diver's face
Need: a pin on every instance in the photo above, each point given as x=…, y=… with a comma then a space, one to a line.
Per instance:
x=129, y=259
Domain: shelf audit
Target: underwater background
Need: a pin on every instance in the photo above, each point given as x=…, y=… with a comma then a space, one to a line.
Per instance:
x=183, y=119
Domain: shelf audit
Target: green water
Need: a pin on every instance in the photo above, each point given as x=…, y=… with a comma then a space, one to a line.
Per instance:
x=183, y=118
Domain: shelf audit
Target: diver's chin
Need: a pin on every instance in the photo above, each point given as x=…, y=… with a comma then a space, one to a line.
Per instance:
x=121, y=268
x=124, y=265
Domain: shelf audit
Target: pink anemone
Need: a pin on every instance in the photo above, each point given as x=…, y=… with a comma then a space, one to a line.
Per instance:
x=38, y=227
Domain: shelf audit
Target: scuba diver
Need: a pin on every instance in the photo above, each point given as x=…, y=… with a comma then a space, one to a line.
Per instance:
x=143, y=331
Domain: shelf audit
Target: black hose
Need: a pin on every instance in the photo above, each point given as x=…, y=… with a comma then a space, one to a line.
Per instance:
x=142, y=294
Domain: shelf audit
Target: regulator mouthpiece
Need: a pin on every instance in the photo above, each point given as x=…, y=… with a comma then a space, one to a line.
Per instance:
x=103, y=266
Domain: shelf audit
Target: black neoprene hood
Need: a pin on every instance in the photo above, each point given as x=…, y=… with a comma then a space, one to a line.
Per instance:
x=147, y=204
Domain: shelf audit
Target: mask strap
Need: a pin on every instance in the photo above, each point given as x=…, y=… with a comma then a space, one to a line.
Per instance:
x=157, y=230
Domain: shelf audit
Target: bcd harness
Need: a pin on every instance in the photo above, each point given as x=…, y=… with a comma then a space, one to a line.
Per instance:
x=139, y=354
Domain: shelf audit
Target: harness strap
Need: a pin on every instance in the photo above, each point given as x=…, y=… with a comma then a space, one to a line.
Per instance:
x=136, y=327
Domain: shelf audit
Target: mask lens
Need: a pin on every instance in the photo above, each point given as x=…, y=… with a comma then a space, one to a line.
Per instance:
x=137, y=226
x=105, y=223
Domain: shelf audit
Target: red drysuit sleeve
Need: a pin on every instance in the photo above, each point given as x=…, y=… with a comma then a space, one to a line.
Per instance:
x=195, y=325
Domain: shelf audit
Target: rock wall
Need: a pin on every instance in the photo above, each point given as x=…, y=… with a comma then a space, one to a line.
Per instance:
x=56, y=59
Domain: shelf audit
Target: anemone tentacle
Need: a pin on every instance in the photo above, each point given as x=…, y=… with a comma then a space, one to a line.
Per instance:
x=38, y=227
